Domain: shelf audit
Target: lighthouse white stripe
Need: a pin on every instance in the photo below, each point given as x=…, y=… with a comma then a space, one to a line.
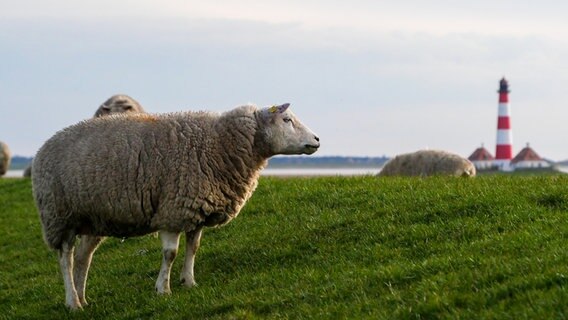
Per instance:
x=504, y=110
x=504, y=137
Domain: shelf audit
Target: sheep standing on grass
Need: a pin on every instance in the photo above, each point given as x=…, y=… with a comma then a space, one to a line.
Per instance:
x=428, y=163
x=5, y=158
x=173, y=173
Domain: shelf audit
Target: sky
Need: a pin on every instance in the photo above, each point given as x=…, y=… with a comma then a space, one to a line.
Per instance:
x=371, y=78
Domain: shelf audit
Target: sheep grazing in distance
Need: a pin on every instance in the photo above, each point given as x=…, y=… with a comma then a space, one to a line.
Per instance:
x=428, y=163
x=171, y=173
x=5, y=158
x=119, y=103
x=28, y=171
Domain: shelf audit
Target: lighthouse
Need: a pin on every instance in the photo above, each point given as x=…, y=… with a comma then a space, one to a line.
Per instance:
x=504, y=149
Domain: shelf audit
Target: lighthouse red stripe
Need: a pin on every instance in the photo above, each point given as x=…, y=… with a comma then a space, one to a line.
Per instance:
x=504, y=152
x=503, y=97
x=503, y=123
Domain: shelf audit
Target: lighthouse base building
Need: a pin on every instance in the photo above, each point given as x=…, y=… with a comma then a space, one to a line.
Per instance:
x=526, y=159
x=529, y=159
x=482, y=159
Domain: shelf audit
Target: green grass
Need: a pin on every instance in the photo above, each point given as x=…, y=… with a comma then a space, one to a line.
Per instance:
x=493, y=247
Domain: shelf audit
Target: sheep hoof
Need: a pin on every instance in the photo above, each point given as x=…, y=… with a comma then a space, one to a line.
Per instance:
x=164, y=291
x=83, y=301
x=75, y=306
x=189, y=284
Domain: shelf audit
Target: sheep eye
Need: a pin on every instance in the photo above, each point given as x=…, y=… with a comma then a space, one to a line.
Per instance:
x=128, y=108
x=287, y=120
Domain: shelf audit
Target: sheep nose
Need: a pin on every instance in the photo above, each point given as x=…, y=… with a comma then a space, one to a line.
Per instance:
x=317, y=138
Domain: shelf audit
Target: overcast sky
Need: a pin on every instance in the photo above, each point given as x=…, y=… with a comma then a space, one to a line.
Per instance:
x=372, y=78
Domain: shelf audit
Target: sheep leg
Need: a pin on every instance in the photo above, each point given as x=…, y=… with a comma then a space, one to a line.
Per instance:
x=83, y=257
x=170, y=243
x=192, y=241
x=66, y=265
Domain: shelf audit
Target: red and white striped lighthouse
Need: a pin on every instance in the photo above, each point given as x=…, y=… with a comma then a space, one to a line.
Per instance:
x=504, y=150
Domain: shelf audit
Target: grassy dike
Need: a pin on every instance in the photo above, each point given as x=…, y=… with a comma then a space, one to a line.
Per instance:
x=492, y=247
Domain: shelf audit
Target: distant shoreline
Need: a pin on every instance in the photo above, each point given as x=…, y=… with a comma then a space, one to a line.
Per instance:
x=303, y=171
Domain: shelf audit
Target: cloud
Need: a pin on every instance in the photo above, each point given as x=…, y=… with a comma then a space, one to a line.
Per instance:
x=362, y=17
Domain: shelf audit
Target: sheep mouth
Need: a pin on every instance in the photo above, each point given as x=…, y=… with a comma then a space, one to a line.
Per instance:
x=310, y=148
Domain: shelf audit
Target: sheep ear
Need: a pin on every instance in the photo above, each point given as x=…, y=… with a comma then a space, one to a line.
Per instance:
x=270, y=111
x=280, y=108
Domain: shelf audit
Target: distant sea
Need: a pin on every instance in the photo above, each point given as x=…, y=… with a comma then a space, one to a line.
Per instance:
x=292, y=172
x=319, y=171
x=563, y=168
x=14, y=174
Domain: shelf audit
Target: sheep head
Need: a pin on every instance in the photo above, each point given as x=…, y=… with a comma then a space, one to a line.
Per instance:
x=285, y=133
x=119, y=104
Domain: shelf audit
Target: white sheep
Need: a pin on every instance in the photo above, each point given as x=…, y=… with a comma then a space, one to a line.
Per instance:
x=428, y=163
x=5, y=158
x=119, y=103
x=171, y=173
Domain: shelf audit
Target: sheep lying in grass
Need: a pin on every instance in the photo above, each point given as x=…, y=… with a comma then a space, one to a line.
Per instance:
x=119, y=103
x=5, y=158
x=428, y=163
x=173, y=173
